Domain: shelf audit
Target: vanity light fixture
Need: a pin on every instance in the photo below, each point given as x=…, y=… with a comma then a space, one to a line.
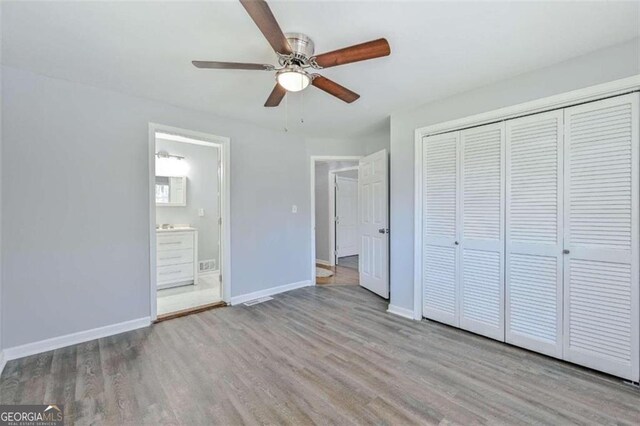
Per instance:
x=165, y=154
x=170, y=165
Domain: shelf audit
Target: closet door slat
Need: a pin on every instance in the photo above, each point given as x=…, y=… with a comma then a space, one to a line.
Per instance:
x=533, y=299
x=440, y=228
x=601, y=234
x=481, y=215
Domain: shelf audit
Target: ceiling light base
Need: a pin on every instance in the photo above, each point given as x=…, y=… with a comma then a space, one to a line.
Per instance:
x=302, y=48
x=301, y=44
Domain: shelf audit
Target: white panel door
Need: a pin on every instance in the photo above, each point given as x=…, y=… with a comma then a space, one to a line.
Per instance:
x=533, y=291
x=481, y=210
x=346, y=216
x=601, y=236
x=373, y=204
x=440, y=228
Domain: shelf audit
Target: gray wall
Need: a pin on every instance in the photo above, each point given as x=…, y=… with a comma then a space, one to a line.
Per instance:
x=351, y=174
x=323, y=213
x=202, y=192
x=1, y=270
x=360, y=145
x=599, y=67
x=76, y=219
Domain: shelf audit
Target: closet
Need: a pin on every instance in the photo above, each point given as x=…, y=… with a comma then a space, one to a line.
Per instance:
x=530, y=232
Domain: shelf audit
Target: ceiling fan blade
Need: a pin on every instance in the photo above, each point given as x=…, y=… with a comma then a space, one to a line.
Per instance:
x=261, y=14
x=232, y=66
x=276, y=96
x=359, y=52
x=333, y=88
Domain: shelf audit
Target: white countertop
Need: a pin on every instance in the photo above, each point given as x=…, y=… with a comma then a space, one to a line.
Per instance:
x=181, y=229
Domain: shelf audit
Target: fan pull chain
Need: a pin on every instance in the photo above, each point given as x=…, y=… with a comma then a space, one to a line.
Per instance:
x=302, y=108
x=286, y=113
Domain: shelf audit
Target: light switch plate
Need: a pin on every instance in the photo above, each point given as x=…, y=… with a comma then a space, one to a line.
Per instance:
x=201, y=212
x=294, y=209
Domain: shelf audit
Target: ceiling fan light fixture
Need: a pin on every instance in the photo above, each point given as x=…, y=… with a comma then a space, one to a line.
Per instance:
x=293, y=79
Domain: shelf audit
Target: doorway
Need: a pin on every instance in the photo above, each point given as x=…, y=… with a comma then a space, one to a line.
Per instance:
x=372, y=223
x=344, y=206
x=189, y=233
x=335, y=230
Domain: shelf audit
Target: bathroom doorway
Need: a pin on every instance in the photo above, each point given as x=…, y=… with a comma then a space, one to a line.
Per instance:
x=189, y=235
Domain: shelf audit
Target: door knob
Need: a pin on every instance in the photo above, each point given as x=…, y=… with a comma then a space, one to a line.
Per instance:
x=383, y=230
x=456, y=243
x=565, y=251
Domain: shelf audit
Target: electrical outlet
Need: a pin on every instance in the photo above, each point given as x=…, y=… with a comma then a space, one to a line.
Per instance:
x=294, y=209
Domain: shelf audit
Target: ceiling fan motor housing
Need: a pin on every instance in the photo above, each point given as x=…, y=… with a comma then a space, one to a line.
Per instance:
x=302, y=47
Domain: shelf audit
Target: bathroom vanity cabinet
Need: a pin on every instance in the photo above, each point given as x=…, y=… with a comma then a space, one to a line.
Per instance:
x=177, y=257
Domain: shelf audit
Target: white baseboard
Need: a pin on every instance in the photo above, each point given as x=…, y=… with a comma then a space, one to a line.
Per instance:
x=236, y=300
x=3, y=361
x=323, y=262
x=74, y=338
x=403, y=312
x=204, y=274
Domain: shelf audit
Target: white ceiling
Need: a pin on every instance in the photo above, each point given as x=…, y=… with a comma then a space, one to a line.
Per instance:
x=438, y=49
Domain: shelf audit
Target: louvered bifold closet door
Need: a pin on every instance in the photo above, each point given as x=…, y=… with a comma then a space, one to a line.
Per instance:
x=481, y=201
x=601, y=236
x=533, y=291
x=440, y=252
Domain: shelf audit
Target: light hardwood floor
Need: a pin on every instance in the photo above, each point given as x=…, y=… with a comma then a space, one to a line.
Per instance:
x=324, y=355
x=342, y=275
x=349, y=262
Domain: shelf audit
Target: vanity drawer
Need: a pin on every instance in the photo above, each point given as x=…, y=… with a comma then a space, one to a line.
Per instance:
x=174, y=257
x=175, y=273
x=175, y=241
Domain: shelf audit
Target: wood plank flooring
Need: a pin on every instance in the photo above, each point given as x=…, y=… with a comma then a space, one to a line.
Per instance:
x=190, y=311
x=349, y=262
x=341, y=275
x=323, y=355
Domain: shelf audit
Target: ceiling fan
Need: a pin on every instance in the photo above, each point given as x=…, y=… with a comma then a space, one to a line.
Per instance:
x=296, y=54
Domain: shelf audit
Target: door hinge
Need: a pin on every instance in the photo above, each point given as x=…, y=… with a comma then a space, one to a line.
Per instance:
x=220, y=278
x=220, y=221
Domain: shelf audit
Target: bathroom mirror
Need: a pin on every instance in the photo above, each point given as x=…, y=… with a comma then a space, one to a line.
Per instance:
x=171, y=191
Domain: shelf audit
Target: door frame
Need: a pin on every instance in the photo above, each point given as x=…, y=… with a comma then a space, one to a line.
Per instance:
x=205, y=139
x=562, y=100
x=332, y=208
x=312, y=211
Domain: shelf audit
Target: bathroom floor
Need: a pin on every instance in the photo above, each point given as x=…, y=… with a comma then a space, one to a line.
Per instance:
x=190, y=296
